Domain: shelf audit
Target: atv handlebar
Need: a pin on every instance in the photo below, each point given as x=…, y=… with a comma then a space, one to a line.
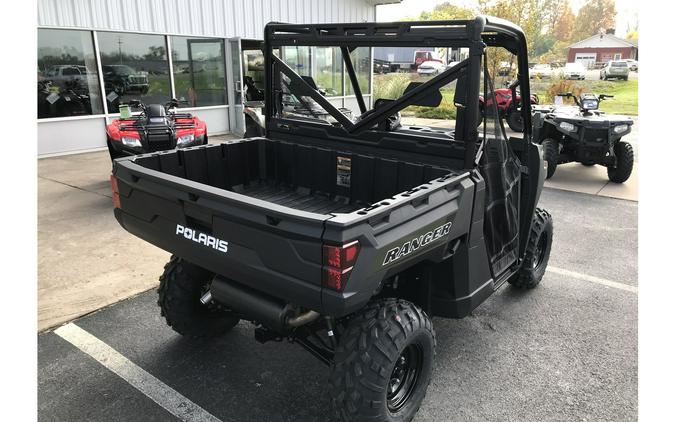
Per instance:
x=570, y=95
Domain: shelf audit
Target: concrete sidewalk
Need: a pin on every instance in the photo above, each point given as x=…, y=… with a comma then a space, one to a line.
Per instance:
x=85, y=259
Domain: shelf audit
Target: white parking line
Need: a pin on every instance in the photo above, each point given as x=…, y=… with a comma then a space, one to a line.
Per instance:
x=156, y=390
x=593, y=279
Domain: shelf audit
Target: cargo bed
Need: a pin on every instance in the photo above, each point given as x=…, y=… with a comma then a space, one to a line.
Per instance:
x=276, y=203
x=305, y=178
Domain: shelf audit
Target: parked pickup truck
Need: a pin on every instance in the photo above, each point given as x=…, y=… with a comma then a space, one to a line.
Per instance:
x=347, y=234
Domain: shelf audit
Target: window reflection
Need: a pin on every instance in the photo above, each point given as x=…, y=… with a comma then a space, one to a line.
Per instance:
x=135, y=66
x=328, y=72
x=298, y=58
x=67, y=74
x=361, y=61
x=199, y=71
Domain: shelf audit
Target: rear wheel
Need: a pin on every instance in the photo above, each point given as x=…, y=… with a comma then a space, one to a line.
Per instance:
x=180, y=288
x=515, y=120
x=624, y=163
x=383, y=363
x=537, y=253
x=550, y=147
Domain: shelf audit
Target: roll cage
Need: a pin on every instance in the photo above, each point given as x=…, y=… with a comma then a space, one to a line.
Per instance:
x=476, y=35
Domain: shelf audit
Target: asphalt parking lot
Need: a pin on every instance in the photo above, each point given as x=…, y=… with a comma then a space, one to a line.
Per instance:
x=564, y=351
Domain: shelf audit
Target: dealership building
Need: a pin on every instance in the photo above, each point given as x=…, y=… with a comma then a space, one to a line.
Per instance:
x=94, y=55
x=601, y=48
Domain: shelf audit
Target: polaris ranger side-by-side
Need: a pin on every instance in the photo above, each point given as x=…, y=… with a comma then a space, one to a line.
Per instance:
x=347, y=235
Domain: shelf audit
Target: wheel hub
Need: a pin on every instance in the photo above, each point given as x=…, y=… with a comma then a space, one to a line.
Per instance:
x=540, y=251
x=403, y=378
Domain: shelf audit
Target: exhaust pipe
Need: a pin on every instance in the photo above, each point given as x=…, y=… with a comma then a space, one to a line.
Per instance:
x=303, y=319
x=206, y=298
x=268, y=310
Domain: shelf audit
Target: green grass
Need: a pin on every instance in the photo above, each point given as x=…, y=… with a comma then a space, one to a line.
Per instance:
x=392, y=85
x=625, y=93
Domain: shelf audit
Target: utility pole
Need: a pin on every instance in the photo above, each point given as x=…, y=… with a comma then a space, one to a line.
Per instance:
x=119, y=48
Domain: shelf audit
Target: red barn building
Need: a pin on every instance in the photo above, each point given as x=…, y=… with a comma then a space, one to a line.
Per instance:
x=601, y=48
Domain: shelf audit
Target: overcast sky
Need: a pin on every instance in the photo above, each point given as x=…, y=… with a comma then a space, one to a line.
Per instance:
x=626, y=10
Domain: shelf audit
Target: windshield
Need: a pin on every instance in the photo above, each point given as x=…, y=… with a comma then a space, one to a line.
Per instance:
x=619, y=64
x=122, y=69
x=574, y=67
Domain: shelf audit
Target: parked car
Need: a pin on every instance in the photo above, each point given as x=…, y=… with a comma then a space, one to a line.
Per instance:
x=124, y=79
x=632, y=64
x=430, y=67
x=574, y=71
x=614, y=69
x=505, y=68
x=541, y=71
x=381, y=66
x=348, y=238
x=70, y=73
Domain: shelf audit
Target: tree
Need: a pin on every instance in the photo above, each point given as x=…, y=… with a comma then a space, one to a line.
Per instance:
x=594, y=16
x=563, y=26
x=528, y=14
x=447, y=11
x=632, y=35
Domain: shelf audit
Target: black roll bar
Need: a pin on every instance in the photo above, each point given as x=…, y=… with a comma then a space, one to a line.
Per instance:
x=347, y=58
x=472, y=34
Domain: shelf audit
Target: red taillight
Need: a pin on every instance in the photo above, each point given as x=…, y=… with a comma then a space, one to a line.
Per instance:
x=338, y=262
x=115, y=191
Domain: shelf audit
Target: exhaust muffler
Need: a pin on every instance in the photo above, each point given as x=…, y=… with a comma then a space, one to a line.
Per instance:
x=258, y=306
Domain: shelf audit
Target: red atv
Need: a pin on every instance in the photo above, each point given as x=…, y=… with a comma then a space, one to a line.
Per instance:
x=508, y=109
x=157, y=128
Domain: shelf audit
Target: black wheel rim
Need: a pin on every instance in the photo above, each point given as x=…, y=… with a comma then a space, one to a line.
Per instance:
x=540, y=251
x=404, y=377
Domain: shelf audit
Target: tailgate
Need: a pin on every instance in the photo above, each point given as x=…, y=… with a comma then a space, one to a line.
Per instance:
x=268, y=247
x=420, y=225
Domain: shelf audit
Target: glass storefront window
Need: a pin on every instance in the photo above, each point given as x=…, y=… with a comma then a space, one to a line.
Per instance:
x=67, y=74
x=135, y=66
x=254, y=66
x=199, y=71
x=361, y=61
x=298, y=58
x=328, y=70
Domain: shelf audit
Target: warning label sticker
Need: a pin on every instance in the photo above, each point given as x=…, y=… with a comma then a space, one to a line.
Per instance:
x=344, y=171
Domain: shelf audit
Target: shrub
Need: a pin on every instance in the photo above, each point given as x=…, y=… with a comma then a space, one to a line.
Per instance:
x=561, y=86
x=391, y=87
x=443, y=111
